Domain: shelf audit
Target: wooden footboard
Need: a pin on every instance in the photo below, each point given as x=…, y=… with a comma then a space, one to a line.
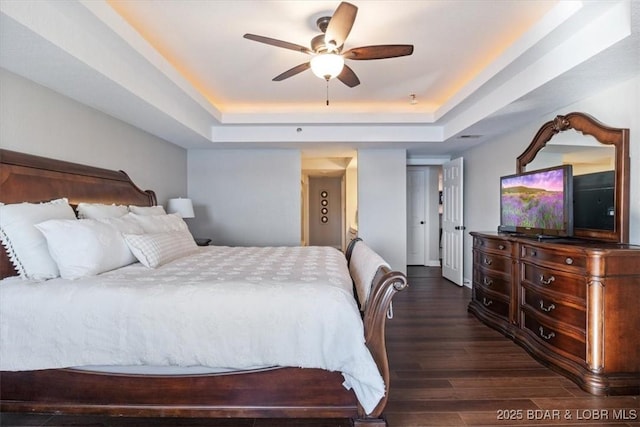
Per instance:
x=268, y=393
x=272, y=393
x=386, y=284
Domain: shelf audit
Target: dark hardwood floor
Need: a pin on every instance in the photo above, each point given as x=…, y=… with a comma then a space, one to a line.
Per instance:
x=448, y=369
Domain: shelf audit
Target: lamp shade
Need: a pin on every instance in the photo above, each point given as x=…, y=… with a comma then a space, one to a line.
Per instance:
x=184, y=207
x=327, y=65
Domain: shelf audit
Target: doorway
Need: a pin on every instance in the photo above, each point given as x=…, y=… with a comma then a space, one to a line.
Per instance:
x=329, y=199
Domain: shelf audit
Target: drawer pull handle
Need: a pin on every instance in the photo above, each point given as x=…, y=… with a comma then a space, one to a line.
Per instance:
x=487, y=261
x=487, y=281
x=548, y=336
x=548, y=308
x=548, y=281
x=533, y=253
x=486, y=302
x=569, y=261
x=501, y=247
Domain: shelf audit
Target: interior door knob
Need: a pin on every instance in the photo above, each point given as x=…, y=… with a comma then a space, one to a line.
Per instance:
x=421, y=222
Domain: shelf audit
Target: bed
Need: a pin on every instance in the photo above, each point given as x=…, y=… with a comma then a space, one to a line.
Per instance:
x=295, y=390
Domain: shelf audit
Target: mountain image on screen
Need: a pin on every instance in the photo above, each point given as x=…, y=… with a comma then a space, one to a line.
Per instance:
x=534, y=201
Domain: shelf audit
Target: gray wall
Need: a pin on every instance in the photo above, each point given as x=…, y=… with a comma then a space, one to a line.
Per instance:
x=382, y=203
x=617, y=107
x=36, y=120
x=246, y=197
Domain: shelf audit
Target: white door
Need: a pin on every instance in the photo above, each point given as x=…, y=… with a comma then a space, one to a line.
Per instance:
x=416, y=190
x=452, y=223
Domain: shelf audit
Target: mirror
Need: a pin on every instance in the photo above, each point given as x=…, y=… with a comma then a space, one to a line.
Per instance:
x=600, y=158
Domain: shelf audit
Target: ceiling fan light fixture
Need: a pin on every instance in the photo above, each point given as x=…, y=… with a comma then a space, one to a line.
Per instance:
x=327, y=57
x=327, y=65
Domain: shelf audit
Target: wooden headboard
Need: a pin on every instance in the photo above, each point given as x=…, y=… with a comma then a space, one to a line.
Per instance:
x=29, y=178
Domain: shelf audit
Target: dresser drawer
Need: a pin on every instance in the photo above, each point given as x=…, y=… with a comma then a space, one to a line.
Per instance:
x=571, y=285
x=555, y=308
x=495, y=245
x=488, y=261
x=554, y=337
x=554, y=258
x=489, y=279
x=491, y=303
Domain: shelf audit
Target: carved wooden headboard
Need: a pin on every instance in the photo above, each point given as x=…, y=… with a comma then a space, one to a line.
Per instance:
x=28, y=178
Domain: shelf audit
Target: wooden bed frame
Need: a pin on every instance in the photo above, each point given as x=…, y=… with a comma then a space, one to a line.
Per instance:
x=266, y=393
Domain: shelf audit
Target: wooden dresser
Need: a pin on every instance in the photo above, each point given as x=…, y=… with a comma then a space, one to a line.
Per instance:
x=572, y=304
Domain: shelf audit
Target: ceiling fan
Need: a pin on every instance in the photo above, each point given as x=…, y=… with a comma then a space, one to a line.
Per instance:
x=327, y=60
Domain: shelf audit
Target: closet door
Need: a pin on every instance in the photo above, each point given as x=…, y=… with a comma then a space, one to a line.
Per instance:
x=416, y=215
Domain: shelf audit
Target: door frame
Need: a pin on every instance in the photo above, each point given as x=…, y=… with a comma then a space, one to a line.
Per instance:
x=423, y=231
x=433, y=257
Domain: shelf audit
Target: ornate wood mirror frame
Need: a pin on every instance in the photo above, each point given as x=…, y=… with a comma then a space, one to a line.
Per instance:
x=616, y=137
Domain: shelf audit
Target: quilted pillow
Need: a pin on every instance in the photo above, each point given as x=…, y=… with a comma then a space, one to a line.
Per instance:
x=99, y=210
x=86, y=247
x=147, y=210
x=160, y=223
x=26, y=246
x=154, y=250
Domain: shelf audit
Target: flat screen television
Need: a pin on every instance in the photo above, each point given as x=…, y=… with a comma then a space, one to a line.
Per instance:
x=538, y=202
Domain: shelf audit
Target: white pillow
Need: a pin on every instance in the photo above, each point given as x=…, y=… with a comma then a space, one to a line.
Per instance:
x=147, y=210
x=26, y=246
x=99, y=210
x=154, y=250
x=160, y=223
x=124, y=224
x=86, y=247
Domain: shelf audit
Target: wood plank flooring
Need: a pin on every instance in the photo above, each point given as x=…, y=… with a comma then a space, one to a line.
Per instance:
x=448, y=369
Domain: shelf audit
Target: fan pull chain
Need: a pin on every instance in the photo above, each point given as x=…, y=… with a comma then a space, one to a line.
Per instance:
x=327, y=92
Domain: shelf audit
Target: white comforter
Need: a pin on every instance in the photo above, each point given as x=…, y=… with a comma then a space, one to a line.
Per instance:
x=222, y=307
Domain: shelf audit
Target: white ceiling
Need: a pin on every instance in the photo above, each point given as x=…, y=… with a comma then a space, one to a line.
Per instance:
x=182, y=70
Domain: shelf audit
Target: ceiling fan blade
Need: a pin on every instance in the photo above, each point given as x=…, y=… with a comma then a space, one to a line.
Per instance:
x=278, y=43
x=348, y=77
x=379, y=51
x=292, y=72
x=340, y=24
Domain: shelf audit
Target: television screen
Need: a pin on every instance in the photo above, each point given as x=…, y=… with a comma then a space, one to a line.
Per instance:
x=538, y=202
x=594, y=200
